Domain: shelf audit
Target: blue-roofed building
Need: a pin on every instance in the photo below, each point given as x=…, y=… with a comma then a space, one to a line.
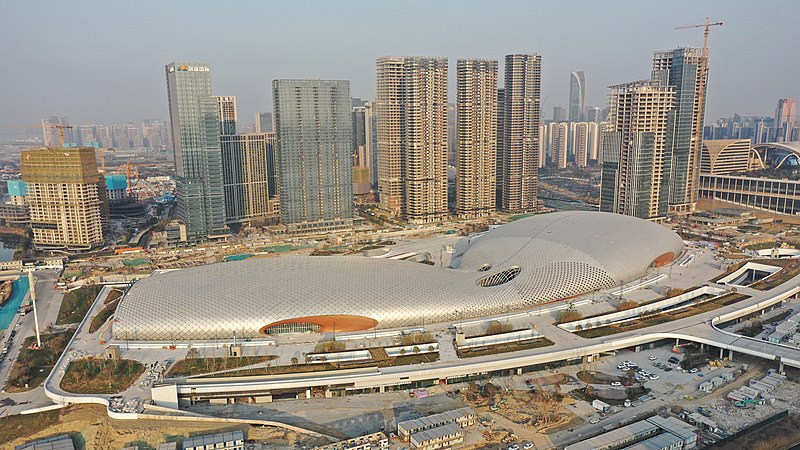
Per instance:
x=17, y=188
x=116, y=188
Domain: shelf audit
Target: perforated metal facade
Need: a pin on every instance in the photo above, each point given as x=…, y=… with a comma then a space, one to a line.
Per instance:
x=558, y=255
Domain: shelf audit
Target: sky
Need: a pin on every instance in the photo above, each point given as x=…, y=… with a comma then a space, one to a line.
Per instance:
x=102, y=62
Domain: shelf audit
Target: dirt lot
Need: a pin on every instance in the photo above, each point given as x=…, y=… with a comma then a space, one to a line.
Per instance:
x=98, y=431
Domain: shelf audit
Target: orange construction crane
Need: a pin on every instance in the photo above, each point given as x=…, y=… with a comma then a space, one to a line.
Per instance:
x=703, y=80
x=57, y=126
x=103, y=156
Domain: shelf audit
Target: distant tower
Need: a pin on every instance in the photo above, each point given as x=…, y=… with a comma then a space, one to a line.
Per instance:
x=411, y=104
x=593, y=114
x=559, y=114
x=559, y=135
x=361, y=153
x=315, y=148
x=227, y=114
x=476, y=148
x=522, y=115
x=577, y=96
x=785, y=119
x=580, y=140
x=195, y=120
x=264, y=122
x=635, y=165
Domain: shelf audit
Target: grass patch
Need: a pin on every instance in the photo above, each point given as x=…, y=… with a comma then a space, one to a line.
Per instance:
x=103, y=315
x=198, y=366
x=330, y=347
x=323, y=367
x=417, y=338
x=76, y=304
x=504, y=348
x=658, y=318
x=762, y=245
x=100, y=376
x=791, y=268
x=33, y=366
x=18, y=426
x=115, y=294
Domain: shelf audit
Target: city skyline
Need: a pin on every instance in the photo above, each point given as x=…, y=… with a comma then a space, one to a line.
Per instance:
x=132, y=82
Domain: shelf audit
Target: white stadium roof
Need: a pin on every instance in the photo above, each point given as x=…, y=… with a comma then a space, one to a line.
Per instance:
x=524, y=263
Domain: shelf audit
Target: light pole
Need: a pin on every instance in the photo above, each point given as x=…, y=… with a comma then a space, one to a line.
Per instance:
x=32, y=287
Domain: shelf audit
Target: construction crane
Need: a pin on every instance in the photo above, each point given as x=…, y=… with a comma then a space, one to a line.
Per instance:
x=57, y=126
x=703, y=80
x=103, y=156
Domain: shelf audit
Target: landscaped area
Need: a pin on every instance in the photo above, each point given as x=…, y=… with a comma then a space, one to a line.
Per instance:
x=379, y=360
x=197, y=366
x=111, y=302
x=19, y=425
x=790, y=269
x=657, y=318
x=504, y=348
x=100, y=376
x=76, y=304
x=33, y=366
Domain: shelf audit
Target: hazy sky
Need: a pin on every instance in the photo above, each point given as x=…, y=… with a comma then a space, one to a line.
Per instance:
x=103, y=61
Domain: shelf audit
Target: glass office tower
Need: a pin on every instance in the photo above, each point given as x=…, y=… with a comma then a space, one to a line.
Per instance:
x=195, y=121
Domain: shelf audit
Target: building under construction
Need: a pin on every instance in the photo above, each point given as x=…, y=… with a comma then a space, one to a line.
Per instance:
x=66, y=198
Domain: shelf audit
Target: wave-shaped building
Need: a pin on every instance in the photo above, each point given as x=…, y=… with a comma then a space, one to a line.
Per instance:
x=532, y=261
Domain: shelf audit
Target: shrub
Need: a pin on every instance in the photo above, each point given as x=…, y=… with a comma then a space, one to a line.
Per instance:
x=626, y=304
x=568, y=315
x=329, y=347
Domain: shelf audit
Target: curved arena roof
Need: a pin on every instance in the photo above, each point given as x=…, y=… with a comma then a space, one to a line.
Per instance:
x=524, y=263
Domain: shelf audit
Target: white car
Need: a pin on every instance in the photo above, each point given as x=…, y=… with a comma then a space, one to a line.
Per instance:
x=513, y=447
x=616, y=383
x=653, y=377
x=622, y=367
x=693, y=370
x=527, y=446
x=653, y=358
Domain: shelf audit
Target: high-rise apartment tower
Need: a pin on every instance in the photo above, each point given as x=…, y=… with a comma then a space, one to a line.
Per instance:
x=315, y=150
x=411, y=104
x=520, y=151
x=635, y=176
x=66, y=197
x=476, y=143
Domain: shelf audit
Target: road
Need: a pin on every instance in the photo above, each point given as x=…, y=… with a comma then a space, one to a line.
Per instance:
x=48, y=304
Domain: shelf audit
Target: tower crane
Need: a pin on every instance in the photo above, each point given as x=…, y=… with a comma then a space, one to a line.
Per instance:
x=701, y=100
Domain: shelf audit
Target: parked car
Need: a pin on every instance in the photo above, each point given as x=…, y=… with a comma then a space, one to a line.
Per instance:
x=527, y=446
x=694, y=370
x=616, y=383
x=653, y=357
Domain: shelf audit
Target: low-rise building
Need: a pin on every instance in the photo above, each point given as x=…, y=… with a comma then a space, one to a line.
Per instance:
x=462, y=417
x=443, y=436
x=676, y=427
x=374, y=441
x=663, y=441
x=619, y=438
x=233, y=440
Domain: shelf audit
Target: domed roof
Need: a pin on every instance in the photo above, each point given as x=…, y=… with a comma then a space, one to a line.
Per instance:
x=519, y=265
